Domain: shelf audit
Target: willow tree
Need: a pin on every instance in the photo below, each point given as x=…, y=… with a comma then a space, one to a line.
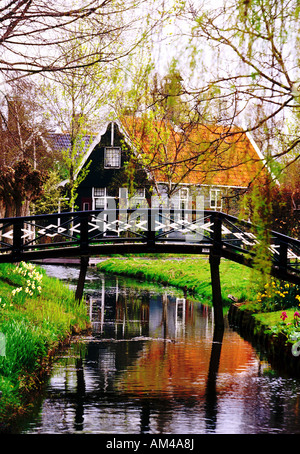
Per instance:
x=73, y=101
x=155, y=118
x=250, y=50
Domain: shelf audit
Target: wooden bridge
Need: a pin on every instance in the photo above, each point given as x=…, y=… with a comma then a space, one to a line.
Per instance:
x=144, y=230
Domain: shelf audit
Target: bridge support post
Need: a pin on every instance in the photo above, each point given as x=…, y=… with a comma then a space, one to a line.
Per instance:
x=214, y=260
x=84, y=262
x=17, y=239
x=216, y=291
x=151, y=229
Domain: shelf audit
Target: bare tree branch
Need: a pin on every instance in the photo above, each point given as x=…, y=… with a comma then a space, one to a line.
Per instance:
x=33, y=33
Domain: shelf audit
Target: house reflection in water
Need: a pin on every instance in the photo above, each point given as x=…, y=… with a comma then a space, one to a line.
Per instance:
x=126, y=313
x=154, y=361
x=177, y=356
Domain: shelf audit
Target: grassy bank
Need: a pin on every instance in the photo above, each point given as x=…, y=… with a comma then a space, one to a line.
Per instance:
x=274, y=307
x=37, y=315
x=190, y=273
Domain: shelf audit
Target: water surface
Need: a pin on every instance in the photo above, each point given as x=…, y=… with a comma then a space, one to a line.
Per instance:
x=153, y=364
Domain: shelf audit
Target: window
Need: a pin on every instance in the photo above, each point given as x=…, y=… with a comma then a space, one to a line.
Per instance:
x=99, y=198
x=99, y=192
x=184, y=193
x=100, y=202
x=139, y=192
x=112, y=158
x=216, y=199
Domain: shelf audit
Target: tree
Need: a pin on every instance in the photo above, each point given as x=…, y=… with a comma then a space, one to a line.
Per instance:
x=245, y=60
x=155, y=117
x=176, y=141
x=253, y=46
x=50, y=199
x=19, y=186
x=65, y=41
x=166, y=95
x=286, y=202
x=34, y=33
x=73, y=102
x=24, y=126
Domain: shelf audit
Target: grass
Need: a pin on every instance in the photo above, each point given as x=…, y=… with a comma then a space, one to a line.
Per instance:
x=274, y=324
x=193, y=274
x=37, y=315
x=190, y=273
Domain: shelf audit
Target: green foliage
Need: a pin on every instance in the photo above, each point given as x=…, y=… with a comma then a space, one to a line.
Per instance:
x=49, y=201
x=192, y=274
x=34, y=323
x=278, y=295
x=257, y=207
x=72, y=158
x=286, y=323
x=75, y=184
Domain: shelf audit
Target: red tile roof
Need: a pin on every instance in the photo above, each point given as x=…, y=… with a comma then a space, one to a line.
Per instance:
x=196, y=154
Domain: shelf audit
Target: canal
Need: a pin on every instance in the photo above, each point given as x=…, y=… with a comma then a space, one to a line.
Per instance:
x=153, y=365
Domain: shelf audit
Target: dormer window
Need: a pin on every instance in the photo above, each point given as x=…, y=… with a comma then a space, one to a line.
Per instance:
x=112, y=157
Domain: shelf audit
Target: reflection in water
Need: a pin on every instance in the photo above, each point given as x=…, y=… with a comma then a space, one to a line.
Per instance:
x=211, y=400
x=79, y=415
x=154, y=364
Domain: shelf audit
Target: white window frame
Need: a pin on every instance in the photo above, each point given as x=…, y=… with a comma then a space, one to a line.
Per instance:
x=142, y=195
x=115, y=165
x=216, y=199
x=183, y=202
x=102, y=197
x=102, y=190
x=184, y=194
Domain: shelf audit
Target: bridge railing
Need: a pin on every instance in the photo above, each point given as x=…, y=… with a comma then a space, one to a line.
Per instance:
x=102, y=226
x=229, y=236
x=240, y=236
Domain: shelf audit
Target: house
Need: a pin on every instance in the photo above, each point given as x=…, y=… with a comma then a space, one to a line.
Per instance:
x=146, y=162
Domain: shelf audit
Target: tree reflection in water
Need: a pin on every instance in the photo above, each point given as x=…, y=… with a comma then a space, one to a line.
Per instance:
x=211, y=399
x=177, y=357
x=154, y=364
